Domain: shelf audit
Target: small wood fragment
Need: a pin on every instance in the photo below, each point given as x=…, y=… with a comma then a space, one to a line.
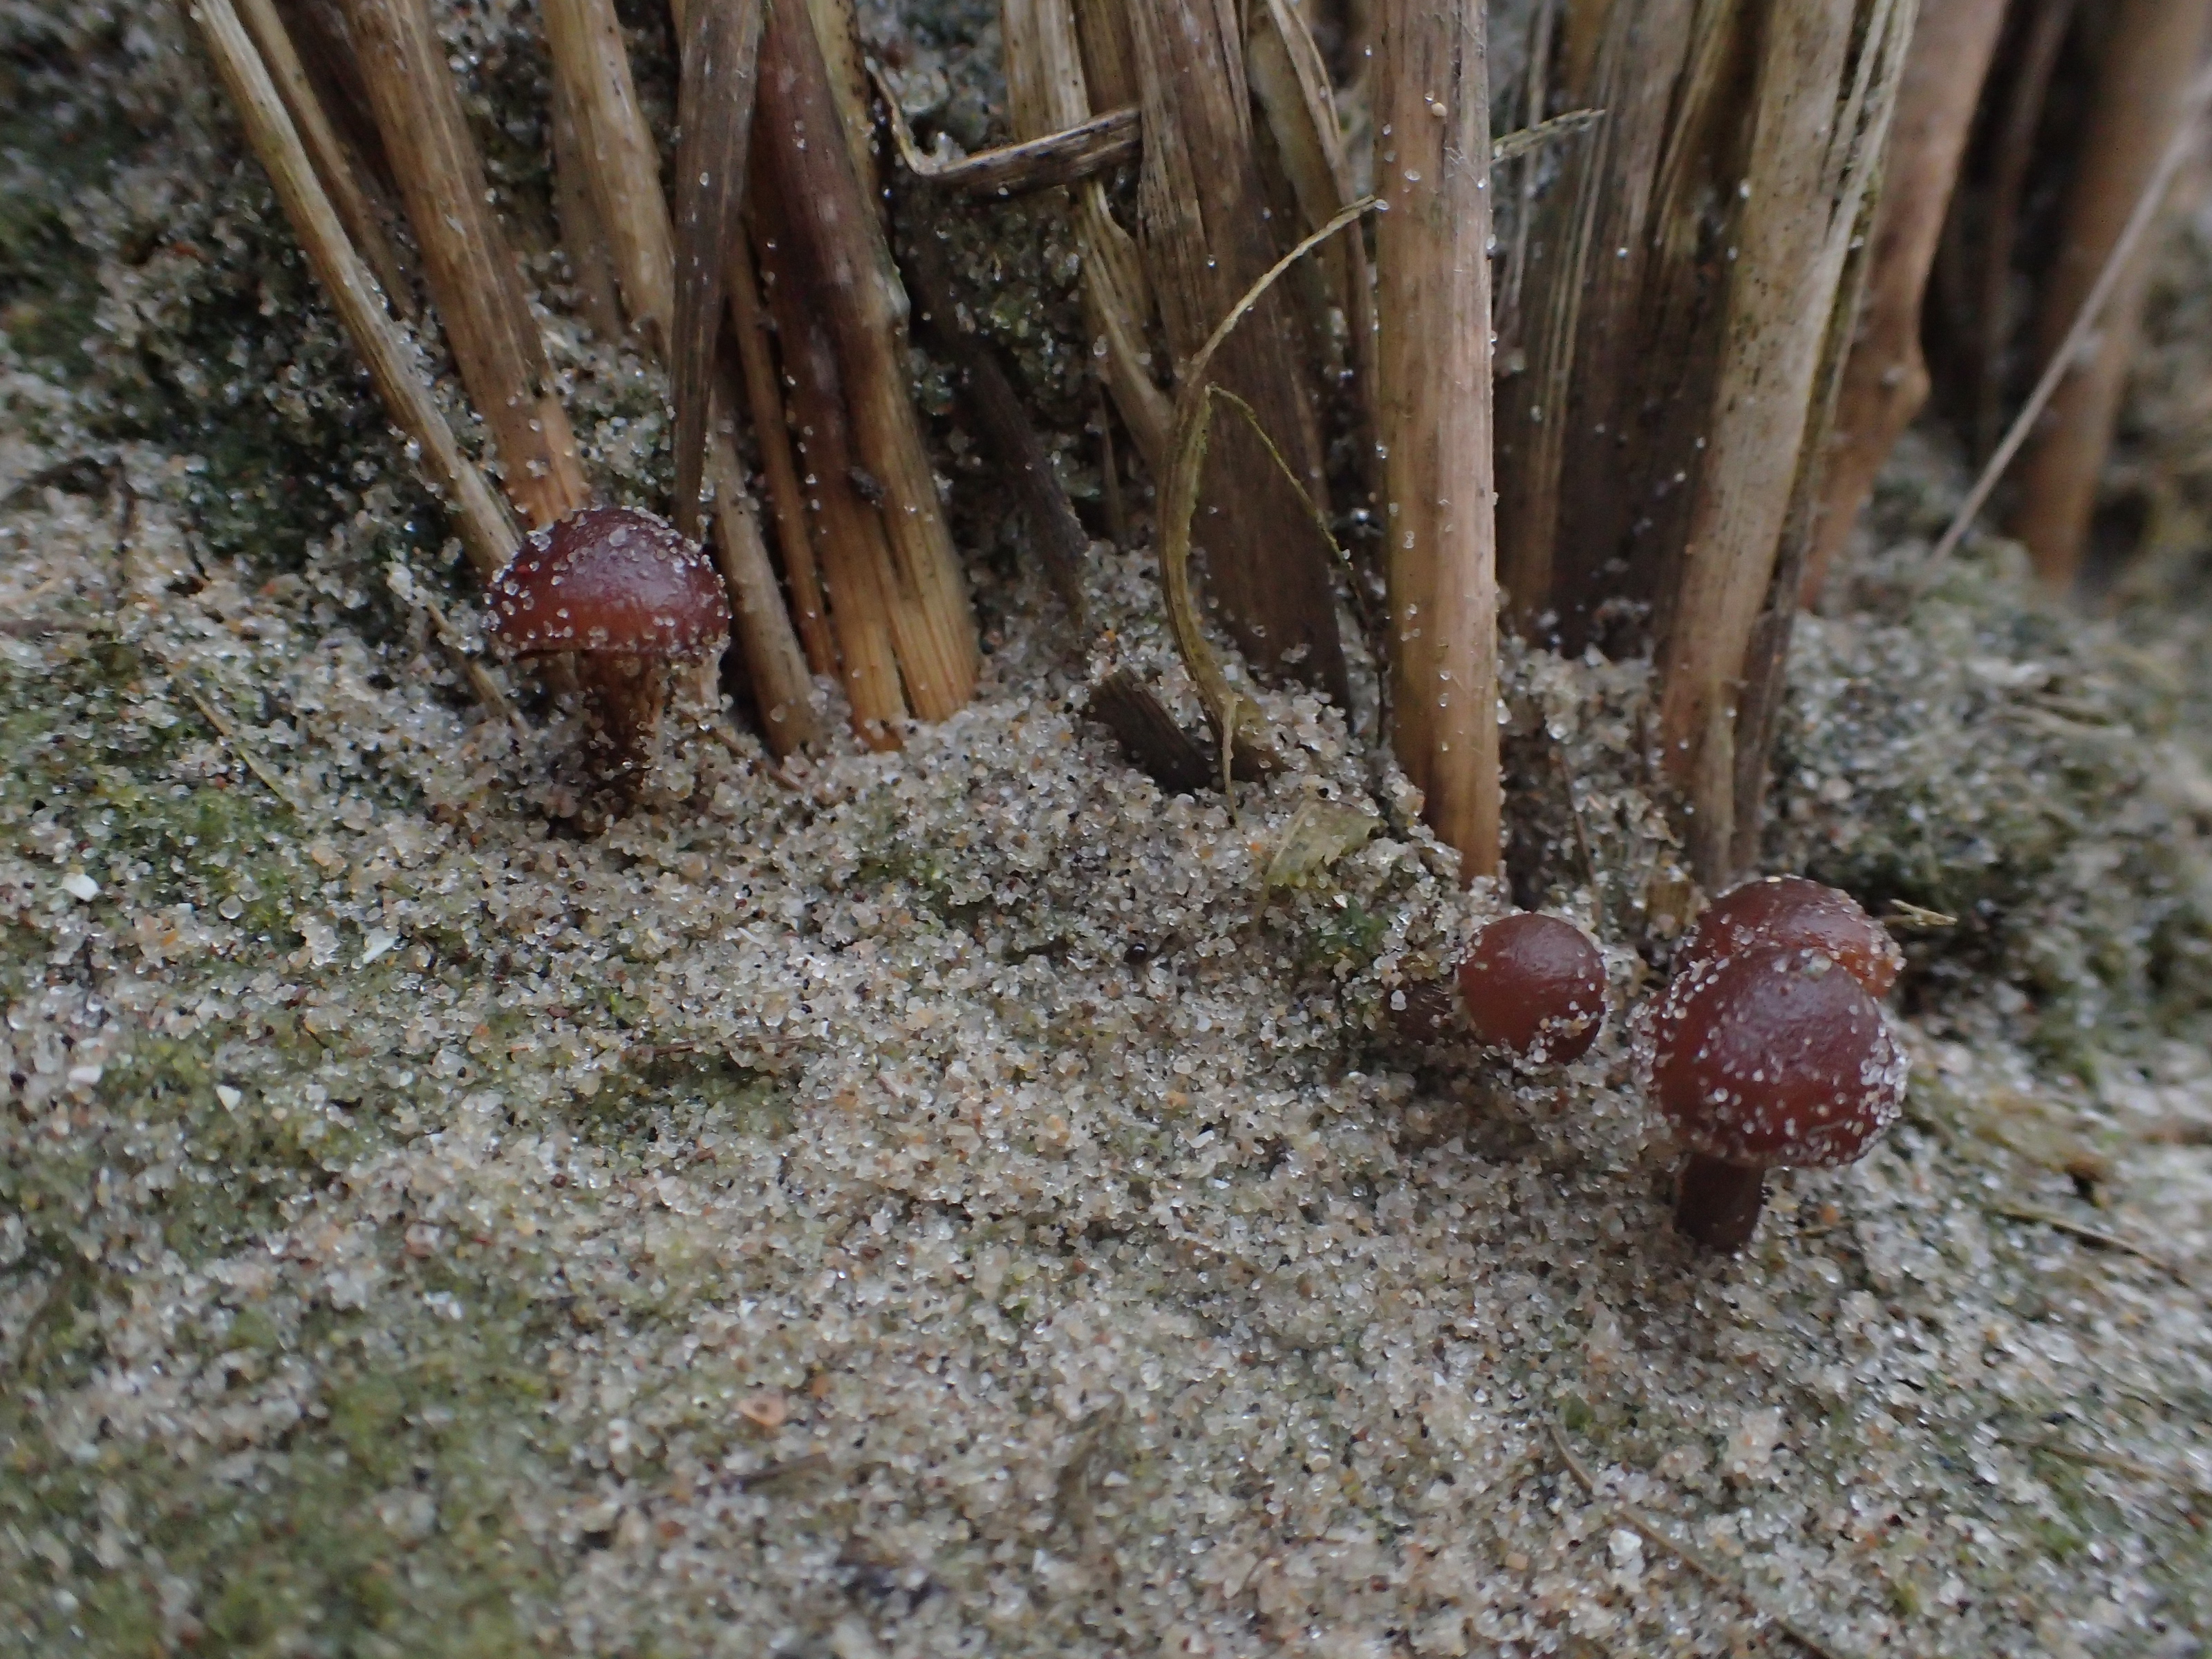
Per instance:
x=1155, y=744
x=1066, y=157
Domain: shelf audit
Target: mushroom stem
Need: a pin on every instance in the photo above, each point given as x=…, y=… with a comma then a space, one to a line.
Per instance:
x=1719, y=1202
x=623, y=697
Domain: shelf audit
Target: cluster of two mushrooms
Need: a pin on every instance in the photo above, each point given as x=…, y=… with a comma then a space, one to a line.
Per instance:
x=631, y=601
x=1768, y=1047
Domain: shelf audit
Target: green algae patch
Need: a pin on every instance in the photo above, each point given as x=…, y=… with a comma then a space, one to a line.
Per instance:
x=369, y=1503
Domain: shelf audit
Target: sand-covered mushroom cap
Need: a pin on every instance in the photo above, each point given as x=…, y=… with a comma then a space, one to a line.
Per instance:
x=1535, y=985
x=1794, y=910
x=1776, y=1056
x=612, y=579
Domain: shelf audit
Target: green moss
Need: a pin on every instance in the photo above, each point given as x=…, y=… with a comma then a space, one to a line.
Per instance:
x=384, y=1523
x=682, y=1094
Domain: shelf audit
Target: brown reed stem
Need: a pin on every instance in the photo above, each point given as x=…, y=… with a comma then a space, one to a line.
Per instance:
x=2141, y=102
x=1886, y=378
x=833, y=244
x=1206, y=238
x=1819, y=118
x=335, y=164
x=467, y=264
x=1433, y=414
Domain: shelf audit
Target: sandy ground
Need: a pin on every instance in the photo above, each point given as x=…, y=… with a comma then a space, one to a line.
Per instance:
x=954, y=1201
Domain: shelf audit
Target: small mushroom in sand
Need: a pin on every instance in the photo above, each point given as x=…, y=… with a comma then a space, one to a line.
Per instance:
x=1774, y=1055
x=1535, y=985
x=1794, y=910
x=629, y=598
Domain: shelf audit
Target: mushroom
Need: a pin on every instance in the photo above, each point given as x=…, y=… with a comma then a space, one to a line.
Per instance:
x=1773, y=1055
x=1792, y=910
x=1535, y=985
x=629, y=596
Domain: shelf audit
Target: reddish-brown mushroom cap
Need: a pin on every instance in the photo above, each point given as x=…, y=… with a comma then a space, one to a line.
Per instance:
x=1791, y=910
x=612, y=579
x=1535, y=985
x=1775, y=1056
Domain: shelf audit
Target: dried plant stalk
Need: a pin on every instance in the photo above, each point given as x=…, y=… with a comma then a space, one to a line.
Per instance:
x=592, y=73
x=1433, y=414
x=1532, y=404
x=1886, y=378
x=837, y=36
x=1206, y=238
x=772, y=435
x=1605, y=473
x=1989, y=324
x=1819, y=118
x=2142, y=101
x=583, y=236
x=470, y=270
x=591, y=76
x=486, y=530
x=1048, y=91
x=335, y=164
x=716, y=102
x=845, y=528
x=834, y=246
x=1290, y=82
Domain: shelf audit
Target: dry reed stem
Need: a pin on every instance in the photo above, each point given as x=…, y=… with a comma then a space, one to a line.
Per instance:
x=466, y=263
x=845, y=528
x=2117, y=261
x=620, y=162
x=1818, y=123
x=716, y=98
x=1532, y=414
x=837, y=249
x=1046, y=89
x=335, y=163
x=772, y=437
x=622, y=168
x=583, y=236
x=1148, y=734
x=1990, y=321
x=1535, y=94
x=485, y=529
x=2142, y=101
x=837, y=34
x=1291, y=82
x=1433, y=413
x=1886, y=378
x=1636, y=54
x=1238, y=722
x=1206, y=239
